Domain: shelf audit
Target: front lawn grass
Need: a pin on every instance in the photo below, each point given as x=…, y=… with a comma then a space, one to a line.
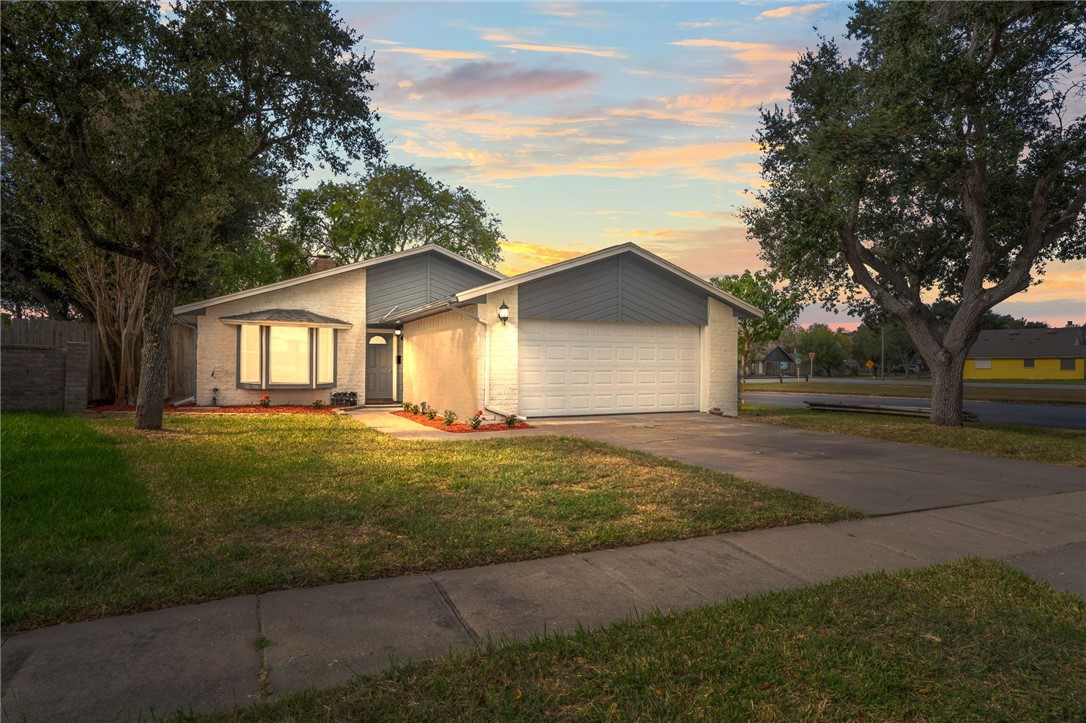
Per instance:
x=1039, y=394
x=1034, y=444
x=101, y=519
x=971, y=640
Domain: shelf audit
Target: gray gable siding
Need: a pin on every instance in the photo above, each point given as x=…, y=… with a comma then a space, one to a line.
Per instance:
x=623, y=288
x=414, y=281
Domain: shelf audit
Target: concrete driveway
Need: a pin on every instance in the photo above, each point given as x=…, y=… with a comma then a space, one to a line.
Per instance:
x=877, y=477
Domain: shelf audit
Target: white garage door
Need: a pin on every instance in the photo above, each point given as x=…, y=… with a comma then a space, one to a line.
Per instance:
x=584, y=367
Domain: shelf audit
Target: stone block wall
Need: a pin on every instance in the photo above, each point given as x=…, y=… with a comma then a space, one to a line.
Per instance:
x=719, y=360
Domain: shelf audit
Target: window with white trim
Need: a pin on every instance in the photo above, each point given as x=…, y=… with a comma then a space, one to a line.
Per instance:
x=286, y=357
x=982, y=363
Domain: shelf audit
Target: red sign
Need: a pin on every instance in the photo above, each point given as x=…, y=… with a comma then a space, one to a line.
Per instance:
x=811, y=355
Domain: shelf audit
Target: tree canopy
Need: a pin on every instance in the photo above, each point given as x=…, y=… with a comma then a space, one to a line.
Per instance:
x=394, y=208
x=781, y=308
x=143, y=125
x=939, y=163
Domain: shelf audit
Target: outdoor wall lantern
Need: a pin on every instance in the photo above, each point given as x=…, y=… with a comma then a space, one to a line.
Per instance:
x=503, y=313
x=398, y=332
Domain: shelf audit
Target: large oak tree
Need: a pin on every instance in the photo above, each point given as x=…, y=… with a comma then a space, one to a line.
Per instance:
x=945, y=160
x=146, y=125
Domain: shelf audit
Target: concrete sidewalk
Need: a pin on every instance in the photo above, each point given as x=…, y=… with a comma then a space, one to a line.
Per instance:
x=929, y=506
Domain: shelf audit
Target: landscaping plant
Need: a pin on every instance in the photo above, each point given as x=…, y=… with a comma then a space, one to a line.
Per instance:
x=450, y=417
x=264, y=401
x=476, y=420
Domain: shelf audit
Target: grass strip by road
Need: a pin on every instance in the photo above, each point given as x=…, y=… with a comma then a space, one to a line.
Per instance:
x=1034, y=444
x=969, y=640
x=101, y=519
x=1033, y=395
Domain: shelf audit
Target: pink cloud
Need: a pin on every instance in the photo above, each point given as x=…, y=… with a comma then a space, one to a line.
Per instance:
x=486, y=79
x=789, y=10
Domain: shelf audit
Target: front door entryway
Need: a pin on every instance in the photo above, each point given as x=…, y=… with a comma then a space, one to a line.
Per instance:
x=379, y=363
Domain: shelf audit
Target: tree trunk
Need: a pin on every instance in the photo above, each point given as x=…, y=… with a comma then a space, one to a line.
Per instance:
x=156, y=343
x=947, y=389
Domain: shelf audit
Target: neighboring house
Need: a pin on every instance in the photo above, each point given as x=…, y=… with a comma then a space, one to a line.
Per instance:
x=616, y=331
x=777, y=361
x=1028, y=354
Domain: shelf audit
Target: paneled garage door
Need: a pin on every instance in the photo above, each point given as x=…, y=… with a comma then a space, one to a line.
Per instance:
x=588, y=367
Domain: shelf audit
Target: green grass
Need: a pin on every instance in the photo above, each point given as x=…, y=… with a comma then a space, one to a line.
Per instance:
x=1034, y=395
x=966, y=641
x=101, y=519
x=1034, y=444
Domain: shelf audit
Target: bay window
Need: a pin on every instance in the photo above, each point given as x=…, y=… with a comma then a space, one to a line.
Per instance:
x=286, y=357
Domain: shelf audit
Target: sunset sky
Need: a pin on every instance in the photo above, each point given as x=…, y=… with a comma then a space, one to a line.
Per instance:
x=587, y=125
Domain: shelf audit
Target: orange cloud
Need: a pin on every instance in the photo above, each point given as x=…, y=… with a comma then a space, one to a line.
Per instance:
x=789, y=10
x=437, y=55
x=744, y=51
x=706, y=252
x=715, y=215
x=519, y=256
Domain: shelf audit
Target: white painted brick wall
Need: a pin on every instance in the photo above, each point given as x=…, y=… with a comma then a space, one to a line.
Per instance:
x=443, y=362
x=342, y=296
x=504, y=354
x=719, y=360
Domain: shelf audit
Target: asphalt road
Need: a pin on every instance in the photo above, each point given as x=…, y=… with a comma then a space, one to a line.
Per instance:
x=1033, y=415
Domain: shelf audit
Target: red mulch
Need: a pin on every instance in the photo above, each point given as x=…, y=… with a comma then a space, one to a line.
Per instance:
x=239, y=409
x=438, y=422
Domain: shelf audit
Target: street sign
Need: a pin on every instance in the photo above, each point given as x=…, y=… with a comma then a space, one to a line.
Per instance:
x=798, y=358
x=870, y=364
x=810, y=354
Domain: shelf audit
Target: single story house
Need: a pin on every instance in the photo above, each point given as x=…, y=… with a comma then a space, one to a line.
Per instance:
x=620, y=330
x=1028, y=354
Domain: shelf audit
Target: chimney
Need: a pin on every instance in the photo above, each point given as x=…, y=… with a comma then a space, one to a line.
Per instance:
x=323, y=263
x=1071, y=323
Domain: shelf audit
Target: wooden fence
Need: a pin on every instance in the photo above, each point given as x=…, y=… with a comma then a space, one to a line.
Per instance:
x=56, y=335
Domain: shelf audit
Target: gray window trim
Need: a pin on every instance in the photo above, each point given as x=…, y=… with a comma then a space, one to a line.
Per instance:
x=265, y=362
x=1028, y=363
x=1067, y=364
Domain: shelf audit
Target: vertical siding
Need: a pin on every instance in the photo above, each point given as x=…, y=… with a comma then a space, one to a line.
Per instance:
x=416, y=280
x=622, y=288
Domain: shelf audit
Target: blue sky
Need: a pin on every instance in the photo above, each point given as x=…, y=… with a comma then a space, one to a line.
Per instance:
x=587, y=125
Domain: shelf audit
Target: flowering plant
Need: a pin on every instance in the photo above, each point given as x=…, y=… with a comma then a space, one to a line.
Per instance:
x=511, y=421
x=431, y=414
x=450, y=417
x=318, y=403
x=415, y=409
x=264, y=401
x=475, y=421
x=407, y=406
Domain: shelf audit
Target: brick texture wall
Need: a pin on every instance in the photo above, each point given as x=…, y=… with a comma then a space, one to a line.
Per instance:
x=342, y=296
x=503, y=341
x=442, y=361
x=719, y=360
x=44, y=378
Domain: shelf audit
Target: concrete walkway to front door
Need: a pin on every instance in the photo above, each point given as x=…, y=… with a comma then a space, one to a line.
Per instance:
x=206, y=656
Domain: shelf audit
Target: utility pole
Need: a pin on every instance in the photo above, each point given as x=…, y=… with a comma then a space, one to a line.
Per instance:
x=882, y=354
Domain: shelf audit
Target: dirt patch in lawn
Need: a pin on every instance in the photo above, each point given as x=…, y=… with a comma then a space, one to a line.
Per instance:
x=438, y=422
x=239, y=409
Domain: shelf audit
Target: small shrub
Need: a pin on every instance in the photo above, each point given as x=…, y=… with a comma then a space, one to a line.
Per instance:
x=431, y=414
x=450, y=417
x=264, y=401
x=511, y=421
x=318, y=403
x=415, y=409
x=407, y=406
x=476, y=420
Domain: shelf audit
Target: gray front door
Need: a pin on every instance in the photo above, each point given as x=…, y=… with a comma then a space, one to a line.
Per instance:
x=379, y=367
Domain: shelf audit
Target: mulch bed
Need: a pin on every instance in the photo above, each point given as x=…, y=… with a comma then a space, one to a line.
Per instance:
x=438, y=422
x=239, y=409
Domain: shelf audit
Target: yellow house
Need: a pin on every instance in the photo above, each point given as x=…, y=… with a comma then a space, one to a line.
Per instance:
x=1028, y=354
